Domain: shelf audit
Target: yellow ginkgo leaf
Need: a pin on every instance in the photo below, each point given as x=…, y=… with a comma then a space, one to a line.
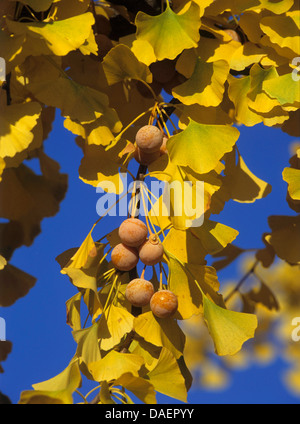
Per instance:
x=16, y=124
x=206, y=85
x=201, y=147
x=11, y=47
x=285, y=237
x=120, y=64
x=277, y=7
x=170, y=33
x=82, y=279
x=3, y=262
x=114, y=365
x=249, y=22
x=49, y=84
x=73, y=311
x=283, y=30
x=214, y=49
x=292, y=177
x=143, y=50
x=58, y=37
x=140, y=387
x=100, y=167
x=185, y=246
x=238, y=90
x=259, y=101
x=88, y=349
x=228, y=329
x=182, y=282
x=237, y=7
x=57, y=390
x=214, y=236
x=242, y=185
x=14, y=284
x=185, y=198
x=203, y=4
x=166, y=377
x=160, y=332
x=246, y=55
x=202, y=115
x=115, y=323
x=81, y=256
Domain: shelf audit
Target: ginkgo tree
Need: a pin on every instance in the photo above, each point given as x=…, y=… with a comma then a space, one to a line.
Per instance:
x=195, y=71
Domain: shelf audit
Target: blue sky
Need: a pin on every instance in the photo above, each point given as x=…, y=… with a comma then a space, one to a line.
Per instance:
x=36, y=324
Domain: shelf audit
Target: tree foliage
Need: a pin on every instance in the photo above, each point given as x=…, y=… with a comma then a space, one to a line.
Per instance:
x=108, y=68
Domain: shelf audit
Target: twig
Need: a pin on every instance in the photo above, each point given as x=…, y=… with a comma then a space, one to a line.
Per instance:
x=241, y=282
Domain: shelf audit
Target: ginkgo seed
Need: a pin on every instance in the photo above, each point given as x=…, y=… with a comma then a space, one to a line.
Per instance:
x=151, y=251
x=133, y=232
x=233, y=34
x=145, y=158
x=124, y=258
x=164, y=304
x=149, y=138
x=139, y=292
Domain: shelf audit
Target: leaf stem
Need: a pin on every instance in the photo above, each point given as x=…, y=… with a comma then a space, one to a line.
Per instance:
x=82, y=396
x=91, y=391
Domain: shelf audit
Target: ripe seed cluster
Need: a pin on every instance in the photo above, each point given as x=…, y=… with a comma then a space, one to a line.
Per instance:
x=136, y=245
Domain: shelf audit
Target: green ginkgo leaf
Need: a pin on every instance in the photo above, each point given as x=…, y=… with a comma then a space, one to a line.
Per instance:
x=170, y=33
x=228, y=329
x=120, y=64
x=200, y=146
x=284, y=88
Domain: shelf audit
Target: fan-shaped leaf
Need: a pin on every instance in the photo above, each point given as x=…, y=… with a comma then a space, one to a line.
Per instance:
x=170, y=33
